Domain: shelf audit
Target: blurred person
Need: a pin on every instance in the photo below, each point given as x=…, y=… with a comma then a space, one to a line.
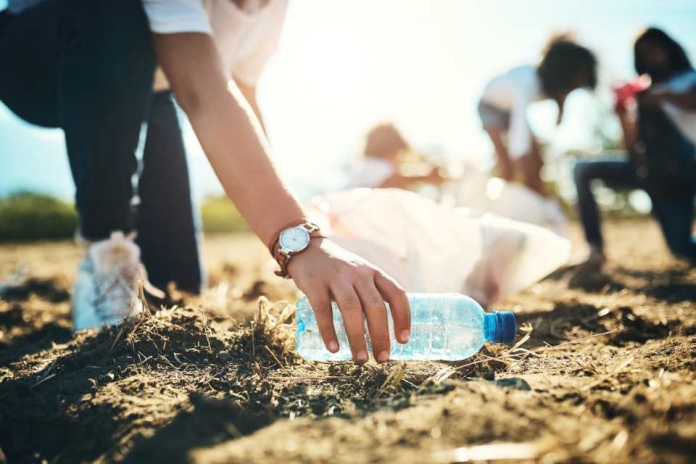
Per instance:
x=564, y=67
x=88, y=67
x=382, y=160
x=659, y=133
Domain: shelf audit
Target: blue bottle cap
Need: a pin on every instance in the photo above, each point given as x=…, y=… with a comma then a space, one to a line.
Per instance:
x=500, y=326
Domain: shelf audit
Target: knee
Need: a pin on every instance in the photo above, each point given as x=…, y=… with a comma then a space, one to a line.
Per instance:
x=120, y=27
x=580, y=173
x=583, y=174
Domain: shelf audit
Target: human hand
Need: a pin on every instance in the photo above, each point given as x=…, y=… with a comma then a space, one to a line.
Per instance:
x=326, y=272
x=436, y=176
x=621, y=108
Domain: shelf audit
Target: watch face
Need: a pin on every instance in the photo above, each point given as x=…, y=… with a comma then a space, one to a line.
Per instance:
x=294, y=239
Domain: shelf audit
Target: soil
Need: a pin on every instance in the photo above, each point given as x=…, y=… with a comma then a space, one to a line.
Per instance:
x=603, y=371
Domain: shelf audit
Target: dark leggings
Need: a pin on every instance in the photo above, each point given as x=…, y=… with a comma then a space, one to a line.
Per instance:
x=87, y=66
x=166, y=218
x=675, y=217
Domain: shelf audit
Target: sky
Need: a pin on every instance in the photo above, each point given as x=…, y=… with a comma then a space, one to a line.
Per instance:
x=343, y=65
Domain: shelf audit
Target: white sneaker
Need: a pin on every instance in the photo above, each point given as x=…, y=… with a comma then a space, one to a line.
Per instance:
x=106, y=290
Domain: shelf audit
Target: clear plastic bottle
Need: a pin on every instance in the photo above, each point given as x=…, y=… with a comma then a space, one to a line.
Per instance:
x=444, y=326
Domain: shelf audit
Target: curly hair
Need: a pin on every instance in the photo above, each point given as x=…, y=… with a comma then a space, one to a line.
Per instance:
x=564, y=62
x=678, y=59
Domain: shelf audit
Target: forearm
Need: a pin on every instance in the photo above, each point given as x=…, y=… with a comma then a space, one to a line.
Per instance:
x=238, y=153
x=228, y=131
x=628, y=127
x=249, y=93
x=685, y=101
x=401, y=181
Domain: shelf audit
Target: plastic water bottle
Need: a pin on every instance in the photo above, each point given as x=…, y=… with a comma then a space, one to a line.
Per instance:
x=444, y=326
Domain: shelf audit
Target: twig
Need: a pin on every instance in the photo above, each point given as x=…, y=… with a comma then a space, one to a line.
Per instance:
x=310, y=377
x=522, y=341
x=123, y=326
x=45, y=379
x=237, y=395
x=144, y=360
x=274, y=357
x=394, y=378
x=253, y=339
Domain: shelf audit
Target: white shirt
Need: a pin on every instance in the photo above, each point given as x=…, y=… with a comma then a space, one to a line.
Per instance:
x=512, y=92
x=245, y=39
x=370, y=173
x=685, y=120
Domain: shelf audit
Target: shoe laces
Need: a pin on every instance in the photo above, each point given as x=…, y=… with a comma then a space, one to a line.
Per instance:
x=115, y=291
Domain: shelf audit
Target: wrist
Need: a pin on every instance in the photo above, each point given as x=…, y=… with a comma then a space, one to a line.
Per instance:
x=292, y=241
x=272, y=242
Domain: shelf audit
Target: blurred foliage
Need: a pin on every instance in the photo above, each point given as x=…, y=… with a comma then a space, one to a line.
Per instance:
x=31, y=216
x=219, y=215
x=27, y=216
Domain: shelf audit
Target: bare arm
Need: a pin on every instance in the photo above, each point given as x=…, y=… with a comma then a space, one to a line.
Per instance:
x=402, y=181
x=249, y=93
x=233, y=142
x=684, y=100
x=222, y=120
x=628, y=127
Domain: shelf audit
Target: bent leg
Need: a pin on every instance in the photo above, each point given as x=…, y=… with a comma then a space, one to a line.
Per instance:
x=504, y=164
x=104, y=84
x=29, y=52
x=88, y=68
x=676, y=221
x=530, y=167
x=166, y=218
x=617, y=173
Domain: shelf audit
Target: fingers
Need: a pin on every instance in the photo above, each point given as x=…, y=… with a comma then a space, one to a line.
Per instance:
x=376, y=313
x=352, y=312
x=323, y=312
x=398, y=304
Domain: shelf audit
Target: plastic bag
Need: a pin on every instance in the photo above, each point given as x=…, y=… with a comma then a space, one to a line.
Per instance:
x=477, y=190
x=428, y=247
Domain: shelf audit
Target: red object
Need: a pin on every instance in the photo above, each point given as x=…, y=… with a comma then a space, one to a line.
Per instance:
x=627, y=91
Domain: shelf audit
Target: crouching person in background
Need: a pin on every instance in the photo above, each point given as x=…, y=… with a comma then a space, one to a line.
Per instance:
x=659, y=136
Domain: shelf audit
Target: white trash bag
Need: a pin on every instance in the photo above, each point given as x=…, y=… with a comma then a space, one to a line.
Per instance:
x=428, y=247
x=477, y=190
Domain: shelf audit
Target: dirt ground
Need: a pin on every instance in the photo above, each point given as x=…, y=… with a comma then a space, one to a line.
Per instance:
x=603, y=371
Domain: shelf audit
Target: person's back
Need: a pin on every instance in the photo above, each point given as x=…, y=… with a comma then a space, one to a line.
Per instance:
x=519, y=83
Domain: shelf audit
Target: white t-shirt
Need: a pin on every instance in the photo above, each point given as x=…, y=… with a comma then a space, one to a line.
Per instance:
x=512, y=92
x=370, y=173
x=245, y=39
x=685, y=120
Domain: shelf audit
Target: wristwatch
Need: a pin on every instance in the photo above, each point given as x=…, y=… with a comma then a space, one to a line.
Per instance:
x=291, y=241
